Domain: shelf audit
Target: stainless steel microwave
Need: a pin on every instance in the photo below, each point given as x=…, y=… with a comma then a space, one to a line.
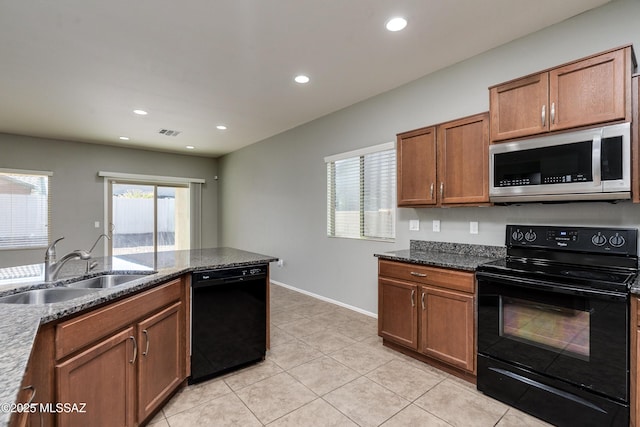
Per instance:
x=592, y=164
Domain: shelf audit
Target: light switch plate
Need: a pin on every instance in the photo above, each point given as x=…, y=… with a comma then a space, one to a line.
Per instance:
x=473, y=227
x=436, y=225
x=414, y=224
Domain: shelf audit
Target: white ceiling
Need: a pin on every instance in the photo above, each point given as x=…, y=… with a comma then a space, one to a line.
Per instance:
x=75, y=69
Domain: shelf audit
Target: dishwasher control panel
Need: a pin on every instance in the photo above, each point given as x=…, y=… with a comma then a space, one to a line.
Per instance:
x=233, y=273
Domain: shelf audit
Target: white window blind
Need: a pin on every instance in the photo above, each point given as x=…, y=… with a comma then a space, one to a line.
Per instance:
x=24, y=209
x=361, y=193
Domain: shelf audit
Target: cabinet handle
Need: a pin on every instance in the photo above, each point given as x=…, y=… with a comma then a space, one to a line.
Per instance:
x=135, y=349
x=413, y=298
x=33, y=393
x=441, y=189
x=146, y=336
x=413, y=273
x=423, y=301
x=553, y=113
x=431, y=191
x=543, y=116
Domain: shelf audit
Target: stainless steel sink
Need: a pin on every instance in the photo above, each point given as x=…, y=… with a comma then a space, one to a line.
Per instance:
x=105, y=281
x=45, y=296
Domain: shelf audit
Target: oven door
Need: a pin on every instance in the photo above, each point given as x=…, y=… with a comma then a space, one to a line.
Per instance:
x=578, y=337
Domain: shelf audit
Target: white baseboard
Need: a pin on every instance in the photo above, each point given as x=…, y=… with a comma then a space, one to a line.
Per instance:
x=329, y=300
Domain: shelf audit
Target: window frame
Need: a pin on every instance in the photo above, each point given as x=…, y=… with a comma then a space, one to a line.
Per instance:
x=47, y=225
x=331, y=205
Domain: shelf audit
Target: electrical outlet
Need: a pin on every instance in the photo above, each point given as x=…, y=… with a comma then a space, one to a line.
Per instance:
x=414, y=225
x=436, y=225
x=96, y=224
x=280, y=262
x=473, y=227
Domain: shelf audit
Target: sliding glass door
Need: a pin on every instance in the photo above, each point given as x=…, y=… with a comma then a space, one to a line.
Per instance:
x=149, y=217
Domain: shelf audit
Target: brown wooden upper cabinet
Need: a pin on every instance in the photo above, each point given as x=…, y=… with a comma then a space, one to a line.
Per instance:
x=445, y=164
x=592, y=90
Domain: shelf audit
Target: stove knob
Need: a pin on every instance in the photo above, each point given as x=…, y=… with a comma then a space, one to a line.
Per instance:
x=517, y=235
x=616, y=241
x=530, y=236
x=598, y=239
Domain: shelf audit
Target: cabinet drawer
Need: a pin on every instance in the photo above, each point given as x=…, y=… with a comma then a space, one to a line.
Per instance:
x=443, y=277
x=81, y=331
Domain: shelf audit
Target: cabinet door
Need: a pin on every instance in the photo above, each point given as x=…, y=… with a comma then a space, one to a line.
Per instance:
x=161, y=359
x=416, y=158
x=519, y=108
x=397, y=312
x=103, y=378
x=446, y=323
x=588, y=92
x=463, y=160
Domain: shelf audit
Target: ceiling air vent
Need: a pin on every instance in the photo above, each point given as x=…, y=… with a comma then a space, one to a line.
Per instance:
x=169, y=132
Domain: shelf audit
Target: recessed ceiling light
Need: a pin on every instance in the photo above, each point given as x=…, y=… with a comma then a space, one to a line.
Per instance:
x=124, y=138
x=396, y=24
x=221, y=127
x=301, y=79
x=140, y=112
x=190, y=147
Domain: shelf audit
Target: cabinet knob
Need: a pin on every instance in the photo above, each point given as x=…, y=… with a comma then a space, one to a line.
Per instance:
x=431, y=191
x=543, y=115
x=423, y=301
x=414, y=273
x=413, y=298
x=553, y=113
x=441, y=189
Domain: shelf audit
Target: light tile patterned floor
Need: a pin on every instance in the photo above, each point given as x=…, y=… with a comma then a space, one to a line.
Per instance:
x=327, y=367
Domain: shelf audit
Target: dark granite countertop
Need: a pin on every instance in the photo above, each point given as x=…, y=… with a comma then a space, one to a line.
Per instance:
x=459, y=256
x=19, y=323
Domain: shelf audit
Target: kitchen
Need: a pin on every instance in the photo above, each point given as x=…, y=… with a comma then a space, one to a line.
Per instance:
x=288, y=168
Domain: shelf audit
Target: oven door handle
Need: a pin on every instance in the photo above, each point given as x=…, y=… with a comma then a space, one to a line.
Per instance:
x=546, y=286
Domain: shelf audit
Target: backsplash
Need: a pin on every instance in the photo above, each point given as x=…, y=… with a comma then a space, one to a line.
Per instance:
x=458, y=248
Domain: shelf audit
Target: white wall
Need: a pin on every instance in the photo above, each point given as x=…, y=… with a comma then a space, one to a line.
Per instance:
x=273, y=194
x=77, y=193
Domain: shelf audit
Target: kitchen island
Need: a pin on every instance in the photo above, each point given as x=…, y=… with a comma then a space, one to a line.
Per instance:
x=19, y=323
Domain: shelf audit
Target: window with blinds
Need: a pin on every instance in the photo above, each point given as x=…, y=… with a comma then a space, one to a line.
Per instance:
x=24, y=209
x=361, y=193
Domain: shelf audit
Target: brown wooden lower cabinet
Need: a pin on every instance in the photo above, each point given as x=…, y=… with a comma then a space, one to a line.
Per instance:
x=117, y=363
x=161, y=360
x=398, y=317
x=103, y=378
x=428, y=313
x=447, y=327
x=38, y=382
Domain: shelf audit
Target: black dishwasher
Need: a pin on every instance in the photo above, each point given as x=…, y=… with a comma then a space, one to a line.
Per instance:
x=228, y=319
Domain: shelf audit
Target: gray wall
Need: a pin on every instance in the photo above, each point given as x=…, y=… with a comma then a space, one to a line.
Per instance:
x=273, y=194
x=77, y=193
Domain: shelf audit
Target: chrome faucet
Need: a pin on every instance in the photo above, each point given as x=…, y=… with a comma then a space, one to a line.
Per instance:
x=92, y=265
x=52, y=266
x=97, y=240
